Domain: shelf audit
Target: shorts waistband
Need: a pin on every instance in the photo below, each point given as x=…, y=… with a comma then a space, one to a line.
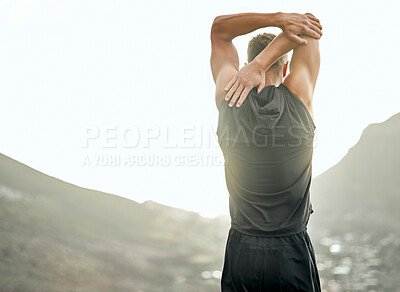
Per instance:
x=235, y=236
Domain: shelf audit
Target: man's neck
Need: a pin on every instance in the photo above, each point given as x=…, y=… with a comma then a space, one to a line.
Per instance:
x=273, y=78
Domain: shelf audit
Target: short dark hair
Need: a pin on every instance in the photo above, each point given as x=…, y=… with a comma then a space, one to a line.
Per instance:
x=258, y=43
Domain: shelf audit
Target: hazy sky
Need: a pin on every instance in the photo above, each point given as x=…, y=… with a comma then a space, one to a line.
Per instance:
x=118, y=95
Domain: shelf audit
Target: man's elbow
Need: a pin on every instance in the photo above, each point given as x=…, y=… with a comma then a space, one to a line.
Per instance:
x=216, y=25
x=218, y=29
x=216, y=19
x=219, y=18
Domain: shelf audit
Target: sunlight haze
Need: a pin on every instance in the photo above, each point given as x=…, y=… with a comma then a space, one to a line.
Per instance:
x=119, y=97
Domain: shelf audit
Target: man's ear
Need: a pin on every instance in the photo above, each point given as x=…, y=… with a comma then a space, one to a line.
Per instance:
x=285, y=67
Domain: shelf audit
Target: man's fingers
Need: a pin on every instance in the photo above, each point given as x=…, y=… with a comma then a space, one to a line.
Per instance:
x=314, y=31
x=236, y=95
x=311, y=16
x=229, y=85
x=231, y=91
x=298, y=39
x=317, y=24
x=243, y=96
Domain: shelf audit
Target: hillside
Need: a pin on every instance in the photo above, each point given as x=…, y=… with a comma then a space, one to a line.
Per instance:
x=367, y=178
x=355, y=225
x=55, y=236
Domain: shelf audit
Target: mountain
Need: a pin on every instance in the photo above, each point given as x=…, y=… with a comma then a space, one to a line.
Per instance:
x=367, y=178
x=355, y=227
x=55, y=236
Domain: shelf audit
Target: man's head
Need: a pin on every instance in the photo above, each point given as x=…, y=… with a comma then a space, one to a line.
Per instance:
x=257, y=44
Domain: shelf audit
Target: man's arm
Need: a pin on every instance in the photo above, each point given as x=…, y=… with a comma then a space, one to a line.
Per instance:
x=301, y=81
x=304, y=69
x=224, y=58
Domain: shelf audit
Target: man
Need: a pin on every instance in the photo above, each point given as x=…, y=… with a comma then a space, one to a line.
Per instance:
x=266, y=130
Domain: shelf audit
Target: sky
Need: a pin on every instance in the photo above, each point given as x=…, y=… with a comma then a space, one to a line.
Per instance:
x=118, y=96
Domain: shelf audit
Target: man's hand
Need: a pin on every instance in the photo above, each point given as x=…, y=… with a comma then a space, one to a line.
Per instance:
x=249, y=76
x=294, y=24
x=253, y=74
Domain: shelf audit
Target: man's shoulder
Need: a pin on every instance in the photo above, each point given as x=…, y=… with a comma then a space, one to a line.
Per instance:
x=290, y=88
x=223, y=78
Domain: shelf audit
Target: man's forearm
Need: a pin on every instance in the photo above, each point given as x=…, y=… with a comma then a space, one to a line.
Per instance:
x=233, y=25
x=277, y=48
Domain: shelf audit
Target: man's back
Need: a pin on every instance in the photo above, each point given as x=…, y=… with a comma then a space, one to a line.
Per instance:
x=267, y=145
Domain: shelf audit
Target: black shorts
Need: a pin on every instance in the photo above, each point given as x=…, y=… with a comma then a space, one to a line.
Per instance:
x=260, y=264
